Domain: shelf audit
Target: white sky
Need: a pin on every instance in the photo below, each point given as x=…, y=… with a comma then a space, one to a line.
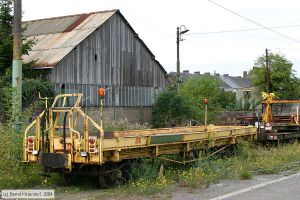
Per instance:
x=156, y=20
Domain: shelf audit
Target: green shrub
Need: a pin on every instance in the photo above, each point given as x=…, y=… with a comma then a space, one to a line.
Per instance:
x=31, y=88
x=170, y=109
x=145, y=169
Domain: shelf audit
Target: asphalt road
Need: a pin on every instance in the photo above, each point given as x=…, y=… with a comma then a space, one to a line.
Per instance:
x=285, y=188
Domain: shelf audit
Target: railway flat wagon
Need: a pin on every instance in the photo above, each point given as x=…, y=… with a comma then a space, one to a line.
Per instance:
x=65, y=140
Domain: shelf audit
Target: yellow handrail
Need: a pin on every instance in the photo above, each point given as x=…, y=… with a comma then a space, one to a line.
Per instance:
x=64, y=96
x=26, y=133
x=52, y=124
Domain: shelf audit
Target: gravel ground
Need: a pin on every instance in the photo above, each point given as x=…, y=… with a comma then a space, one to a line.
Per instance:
x=177, y=192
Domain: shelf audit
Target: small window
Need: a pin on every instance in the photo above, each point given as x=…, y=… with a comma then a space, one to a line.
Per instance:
x=62, y=88
x=247, y=94
x=96, y=57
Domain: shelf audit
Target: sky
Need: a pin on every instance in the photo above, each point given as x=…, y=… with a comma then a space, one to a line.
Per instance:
x=218, y=41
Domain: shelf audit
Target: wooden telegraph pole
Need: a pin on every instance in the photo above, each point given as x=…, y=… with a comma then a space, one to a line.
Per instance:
x=267, y=72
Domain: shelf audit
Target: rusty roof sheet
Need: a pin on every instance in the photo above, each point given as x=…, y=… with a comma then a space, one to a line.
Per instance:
x=56, y=37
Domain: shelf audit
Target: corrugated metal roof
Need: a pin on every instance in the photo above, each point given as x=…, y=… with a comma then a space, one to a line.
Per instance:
x=56, y=37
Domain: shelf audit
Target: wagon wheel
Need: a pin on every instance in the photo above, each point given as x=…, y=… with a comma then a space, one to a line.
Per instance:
x=66, y=178
x=192, y=156
x=126, y=171
x=110, y=175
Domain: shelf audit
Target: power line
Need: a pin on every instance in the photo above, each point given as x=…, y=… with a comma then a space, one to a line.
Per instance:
x=241, y=30
x=254, y=22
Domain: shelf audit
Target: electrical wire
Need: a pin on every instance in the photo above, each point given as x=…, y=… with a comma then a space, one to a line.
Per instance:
x=254, y=22
x=241, y=30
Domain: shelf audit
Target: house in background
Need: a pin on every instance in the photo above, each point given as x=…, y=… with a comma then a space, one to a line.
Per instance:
x=241, y=86
x=101, y=49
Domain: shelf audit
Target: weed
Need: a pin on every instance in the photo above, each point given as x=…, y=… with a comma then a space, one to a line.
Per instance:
x=148, y=177
x=123, y=125
x=246, y=175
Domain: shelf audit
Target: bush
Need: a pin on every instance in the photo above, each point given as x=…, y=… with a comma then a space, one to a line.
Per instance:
x=198, y=88
x=30, y=90
x=145, y=169
x=170, y=109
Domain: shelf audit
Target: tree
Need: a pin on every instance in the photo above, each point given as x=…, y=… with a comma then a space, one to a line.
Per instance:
x=173, y=109
x=228, y=100
x=196, y=89
x=6, y=23
x=6, y=42
x=283, y=81
x=170, y=109
x=33, y=81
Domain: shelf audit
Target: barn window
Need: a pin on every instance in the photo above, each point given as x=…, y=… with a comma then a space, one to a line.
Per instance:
x=96, y=57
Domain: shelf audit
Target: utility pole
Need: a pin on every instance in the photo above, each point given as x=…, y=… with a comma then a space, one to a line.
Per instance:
x=267, y=72
x=178, y=62
x=17, y=64
x=179, y=32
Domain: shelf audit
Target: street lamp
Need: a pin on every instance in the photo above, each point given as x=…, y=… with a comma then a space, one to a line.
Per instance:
x=180, y=31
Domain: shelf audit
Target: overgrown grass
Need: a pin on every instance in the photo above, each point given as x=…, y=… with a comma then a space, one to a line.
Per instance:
x=123, y=125
x=13, y=173
x=248, y=160
x=149, y=176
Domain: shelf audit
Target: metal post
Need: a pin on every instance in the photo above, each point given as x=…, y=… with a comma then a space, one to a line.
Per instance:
x=178, y=62
x=205, y=117
x=101, y=112
x=46, y=109
x=205, y=114
x=17, y=65
x=297, y=119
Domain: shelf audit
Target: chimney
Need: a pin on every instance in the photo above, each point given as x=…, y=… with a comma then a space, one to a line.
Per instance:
x=245, y=73
x=197, y=72
x=186, y=71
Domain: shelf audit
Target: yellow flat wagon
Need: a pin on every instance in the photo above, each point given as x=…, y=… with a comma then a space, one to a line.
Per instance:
x=65, y=140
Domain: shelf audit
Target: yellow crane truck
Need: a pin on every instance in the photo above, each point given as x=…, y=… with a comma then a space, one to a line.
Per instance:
x=65, y=140
x=276, y=128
